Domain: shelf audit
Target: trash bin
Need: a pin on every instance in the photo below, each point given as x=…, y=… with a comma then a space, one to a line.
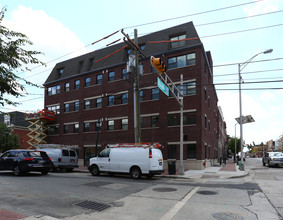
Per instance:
x=171, y=166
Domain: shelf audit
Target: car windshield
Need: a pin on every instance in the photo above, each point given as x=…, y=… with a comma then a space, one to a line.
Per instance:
x=279, y=154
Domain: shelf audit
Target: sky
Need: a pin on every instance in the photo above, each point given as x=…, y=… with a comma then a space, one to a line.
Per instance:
x=232, y=30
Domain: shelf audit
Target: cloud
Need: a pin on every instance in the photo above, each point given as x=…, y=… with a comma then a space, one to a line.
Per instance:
x=261, y=7
x=48, y=35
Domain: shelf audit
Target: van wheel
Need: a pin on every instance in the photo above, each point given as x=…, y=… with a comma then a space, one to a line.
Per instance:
x=135, y=173
x=94, y=170
x=69, y=170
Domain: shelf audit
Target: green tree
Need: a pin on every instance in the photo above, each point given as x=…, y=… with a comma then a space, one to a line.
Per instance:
x=13, y=58
x=231, y=144
x=7, y=140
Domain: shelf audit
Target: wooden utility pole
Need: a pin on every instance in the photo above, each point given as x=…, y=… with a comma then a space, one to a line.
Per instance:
x=137, y=93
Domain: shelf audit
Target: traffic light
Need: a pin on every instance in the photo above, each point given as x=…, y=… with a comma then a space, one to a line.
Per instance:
x=158, y=64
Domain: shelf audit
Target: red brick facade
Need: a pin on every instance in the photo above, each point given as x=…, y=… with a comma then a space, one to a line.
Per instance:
x=159, y=113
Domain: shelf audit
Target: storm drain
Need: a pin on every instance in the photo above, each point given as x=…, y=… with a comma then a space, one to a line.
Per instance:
x=204, y=192
x=94, y=206
x=164, y=189
x=227, y=215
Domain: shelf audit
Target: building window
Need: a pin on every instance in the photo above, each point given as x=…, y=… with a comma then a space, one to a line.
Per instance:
x=77, y=84
x=125, y=74
x=181, y=61
x=205, y=121
x=53, y=130
x=141, y=95
x=173, y=119
x=87, y=81
x=90, y=63
x=67, y=87
x=99, y=79
x=60, y=72
x=111, y=76
x=191, y=151
x=154, y=121
x=80, y=66
x=67, y=107
x=77, y=106
x=155, y=94
x=125, y=98
x=76, y=128
x=205, y=95
x=110, y=125
x=190, y=118
x=177, y=41
x=66, y=129
x=189, y=88
x=125, y=124
x=98, y=102
x=142, y=47
x=87, y=104
x=54, y=90
x=55, y=108
x=86, y=127
x=172, y=151
x=111, y=100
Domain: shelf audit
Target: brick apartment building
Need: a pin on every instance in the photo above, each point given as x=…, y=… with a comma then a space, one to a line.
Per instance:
x=82, y=91
x=17, y=124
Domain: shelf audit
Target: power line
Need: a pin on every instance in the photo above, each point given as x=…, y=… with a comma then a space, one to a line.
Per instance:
x=235, y=19
x=259, y=71
x=241, y=31
x=198, y=13
x=231, y=64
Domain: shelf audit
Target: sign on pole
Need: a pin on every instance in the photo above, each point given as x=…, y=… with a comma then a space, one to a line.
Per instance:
x=162, y=87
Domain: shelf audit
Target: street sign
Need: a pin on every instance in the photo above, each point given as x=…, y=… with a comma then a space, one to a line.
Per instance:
x=162, y=87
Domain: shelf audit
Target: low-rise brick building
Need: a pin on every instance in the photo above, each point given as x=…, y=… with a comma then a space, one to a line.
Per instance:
x=82, y=91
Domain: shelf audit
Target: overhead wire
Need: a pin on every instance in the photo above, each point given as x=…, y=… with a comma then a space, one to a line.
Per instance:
x=194, y=14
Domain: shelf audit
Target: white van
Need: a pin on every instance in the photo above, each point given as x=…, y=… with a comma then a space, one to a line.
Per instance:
x=135, y=159
x=62, y=158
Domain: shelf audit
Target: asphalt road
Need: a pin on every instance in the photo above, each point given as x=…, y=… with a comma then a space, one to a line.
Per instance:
x=257, y=196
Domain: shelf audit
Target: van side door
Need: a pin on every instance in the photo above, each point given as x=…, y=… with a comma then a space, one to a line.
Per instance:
x=104, y=160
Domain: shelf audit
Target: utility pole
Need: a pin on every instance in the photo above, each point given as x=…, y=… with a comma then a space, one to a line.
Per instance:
x=137, y=93
x=137, y=52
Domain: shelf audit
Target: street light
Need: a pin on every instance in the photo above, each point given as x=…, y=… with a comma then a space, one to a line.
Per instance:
x=98, y=126
x=241, y=66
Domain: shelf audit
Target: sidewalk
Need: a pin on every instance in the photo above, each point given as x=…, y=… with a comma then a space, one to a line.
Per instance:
x=230, y=170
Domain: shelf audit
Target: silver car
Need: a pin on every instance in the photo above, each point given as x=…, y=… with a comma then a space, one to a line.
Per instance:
x=272, y=158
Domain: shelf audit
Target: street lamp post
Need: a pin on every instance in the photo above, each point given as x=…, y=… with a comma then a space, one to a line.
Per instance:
x=235, y=145
x=98, y=126
x=241, y=66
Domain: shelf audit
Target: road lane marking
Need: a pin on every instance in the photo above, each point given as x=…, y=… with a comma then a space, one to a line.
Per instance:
x=170, y=214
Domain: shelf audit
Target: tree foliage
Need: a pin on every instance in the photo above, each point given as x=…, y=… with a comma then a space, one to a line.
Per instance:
x=7, y=140
x=231, y=144
x=13, y=57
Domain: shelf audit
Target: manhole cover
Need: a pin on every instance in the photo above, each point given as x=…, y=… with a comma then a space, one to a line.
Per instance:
x=207, y=192
x=96, y=206
x=165, y=189
x=227, y=215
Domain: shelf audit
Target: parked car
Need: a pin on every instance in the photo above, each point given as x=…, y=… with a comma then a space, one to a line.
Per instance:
x=62, y=158
x=272, y=158
x=135, y=160
x=24, y=161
